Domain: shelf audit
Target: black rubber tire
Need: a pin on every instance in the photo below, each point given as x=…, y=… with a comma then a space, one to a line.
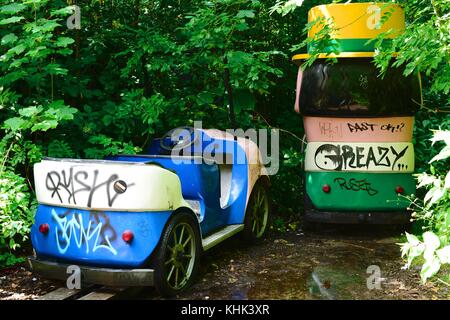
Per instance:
x=161, y=284
x=247, y=234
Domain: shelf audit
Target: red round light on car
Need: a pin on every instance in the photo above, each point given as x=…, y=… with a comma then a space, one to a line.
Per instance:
x=127, y=236
x=44, y=228
x=399, y=189
x=326, y=188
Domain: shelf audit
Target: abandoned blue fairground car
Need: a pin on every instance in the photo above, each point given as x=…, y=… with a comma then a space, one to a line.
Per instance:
x=144, y=220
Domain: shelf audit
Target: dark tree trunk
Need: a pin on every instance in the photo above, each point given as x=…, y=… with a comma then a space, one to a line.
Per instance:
x=231, y=114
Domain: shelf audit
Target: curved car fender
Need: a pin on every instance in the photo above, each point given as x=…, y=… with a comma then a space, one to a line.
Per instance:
x=256, y=168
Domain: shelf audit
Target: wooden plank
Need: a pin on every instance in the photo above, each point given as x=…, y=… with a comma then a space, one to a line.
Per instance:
x=104, y=293
x=63, y=293
x=59, y=294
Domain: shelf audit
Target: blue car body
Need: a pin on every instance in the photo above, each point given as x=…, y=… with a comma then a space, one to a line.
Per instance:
x=92, y=236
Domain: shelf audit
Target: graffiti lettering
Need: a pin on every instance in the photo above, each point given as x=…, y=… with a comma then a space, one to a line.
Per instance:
x=330, y=130
x=363, y=81
x=73, y=231
x=100, y=217
x=356, y=185
x=66, y=185
x=365, y=126
x=370, y=157
x=393, y=128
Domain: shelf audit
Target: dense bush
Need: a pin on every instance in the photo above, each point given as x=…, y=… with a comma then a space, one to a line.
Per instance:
x=16, y=214
x=433, y=211
x=423, y=47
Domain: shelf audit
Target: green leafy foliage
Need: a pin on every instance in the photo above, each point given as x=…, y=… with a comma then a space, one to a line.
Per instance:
x=424, y=46
x=30, y=107
x=434, y=213
x=61, y=149
x=16, y=214
x=108, y=147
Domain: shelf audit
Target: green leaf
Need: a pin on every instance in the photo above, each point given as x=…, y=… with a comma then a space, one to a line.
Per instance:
x=60, y=149
x=447, y=181
x=425, y=179
x=39, y=52
x=30, y=111
x=416, y=251
x=242, y=26
x=17, y=63
x=434, y=195
x=14, y=124
x=17, y=49
x=12, y=8
x=66, y=113
x=64, y=41
x=49, y=26
x=245, y=14
x=61, y=111
x=65, y=51
x=11, y=20
x=9, y=38
x=57, y=104
x=441, y=135
x=431, y=242
x=53, y=68
x=444, y=154
x=412, y=239
x=239, y=58
x=62, y=12
x=107, y=119
x=13, y=76
x=205, y=97
x=430, y=268
x=444, y=254
x=45, y=125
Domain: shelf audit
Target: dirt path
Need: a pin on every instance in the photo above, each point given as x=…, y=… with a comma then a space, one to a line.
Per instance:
x=326, y=265
x=330, y=265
